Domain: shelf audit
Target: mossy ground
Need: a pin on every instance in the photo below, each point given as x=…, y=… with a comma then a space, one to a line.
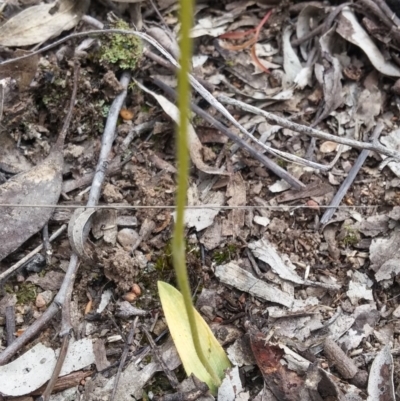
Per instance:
x=121, y=51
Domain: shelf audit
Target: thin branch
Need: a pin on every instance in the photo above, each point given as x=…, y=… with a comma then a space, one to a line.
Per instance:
x=60, y=361
x=173, y=380
x=375, y=146
x=124, y=356
x=279, y=171
x=136, y=131
x=324, y=27
x=46, y=243
x=107, y=141
x=275, y=152
x=350, y=177
x=388, y=12
x=10, y=324
x=29, y=333
x=6, y=275
x=69, y=279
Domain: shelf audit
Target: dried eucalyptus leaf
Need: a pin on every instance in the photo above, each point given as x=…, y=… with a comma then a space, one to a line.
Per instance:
x=351, y=30
x=11, y=158
x=31, y=194
x=39, y=23
x=380, y=383
x=39, y=186
x=77, y=230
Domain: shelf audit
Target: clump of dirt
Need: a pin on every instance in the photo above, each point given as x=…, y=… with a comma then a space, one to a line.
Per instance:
x=119, y=267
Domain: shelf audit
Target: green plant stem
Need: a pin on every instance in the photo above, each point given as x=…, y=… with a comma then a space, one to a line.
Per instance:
x=178, y=243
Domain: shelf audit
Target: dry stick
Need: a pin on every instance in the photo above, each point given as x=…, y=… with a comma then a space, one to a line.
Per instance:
x=29, y=333
x=344, y=365
x=350, y=178
x=388, y=12
x=10, y=324
x=136, y=131
x=60, y=361
x=46, y=243
x=254, y=264
x=363, y=5
x=375, y=146
x=113, y=168
x=65, y=343
x=123, y=357
x=160, y=16
x=66, y=287
x=65, y=382
x=159, y=60
x=324, y=27
x=94, y=195
x=6, y=275
x=279, y=171
x=173, y=380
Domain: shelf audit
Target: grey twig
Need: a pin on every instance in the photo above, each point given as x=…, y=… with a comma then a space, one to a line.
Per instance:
x=46, y=243
x=388, y=12
x=135, y=131
x=303, y=129
x=124, y=356
x=66, y=288
x=113, y=168
x=279, y=171
x=173, y=380
x=63, y=297
x=107, y=141
x=324, y=27
x=29, y=333
x=60, y=361
x=5, y=275
x=10, y=324
x=350, y=178
x=344, y=365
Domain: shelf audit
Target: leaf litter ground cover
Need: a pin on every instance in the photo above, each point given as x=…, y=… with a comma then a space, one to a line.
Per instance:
x=279, y=289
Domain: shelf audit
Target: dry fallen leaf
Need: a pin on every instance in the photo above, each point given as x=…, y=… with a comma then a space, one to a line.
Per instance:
x=23, y=71
x=380, y=383
x=39, y=186
x=285, y=384
x=351, y=30
x=39, y=23
x=11, y=158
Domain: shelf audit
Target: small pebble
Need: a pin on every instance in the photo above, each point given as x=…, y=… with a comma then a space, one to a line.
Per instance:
x=129, y=296
x=40, y=301
x=44, y=298
x=136, y=289
x=127, y=238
